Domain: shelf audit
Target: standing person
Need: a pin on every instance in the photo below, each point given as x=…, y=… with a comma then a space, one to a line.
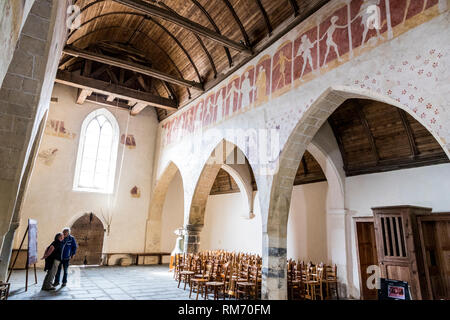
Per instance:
x=69, y=249
x=52, y=257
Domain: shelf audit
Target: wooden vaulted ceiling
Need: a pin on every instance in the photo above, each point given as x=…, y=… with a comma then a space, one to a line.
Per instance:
x=309, y=171
x=134, y=53
x=376, y=137
x=372, y=137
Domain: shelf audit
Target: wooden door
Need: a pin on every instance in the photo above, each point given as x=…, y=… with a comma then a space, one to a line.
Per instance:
x=436, y=246
x=88, y=232
x=367, y=253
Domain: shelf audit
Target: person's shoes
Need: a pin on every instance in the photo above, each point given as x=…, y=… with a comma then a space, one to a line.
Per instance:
x=49, y=289
x=64, y=284
x=55, y=284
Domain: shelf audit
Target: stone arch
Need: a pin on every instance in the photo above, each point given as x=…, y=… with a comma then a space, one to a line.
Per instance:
x=242, y=176
x=154, y=219
x=275, y=228
x=222, y=156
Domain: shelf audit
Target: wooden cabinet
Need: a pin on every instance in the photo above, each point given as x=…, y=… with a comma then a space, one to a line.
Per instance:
x=435, y=235
x=399, y=246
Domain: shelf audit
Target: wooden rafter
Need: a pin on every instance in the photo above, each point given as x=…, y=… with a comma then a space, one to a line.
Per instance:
x=265, y=16
x=181, y=21
x=409, y=133
x=295, y=7
x=211, y=21
x=305, y=166
x=107, y=89
x=339, y=141
x=362, y=117
x=131, y=66
x=200, y=41
x=238, y=21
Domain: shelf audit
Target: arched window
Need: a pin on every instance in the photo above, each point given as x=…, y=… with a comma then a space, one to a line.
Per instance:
x=97, y=153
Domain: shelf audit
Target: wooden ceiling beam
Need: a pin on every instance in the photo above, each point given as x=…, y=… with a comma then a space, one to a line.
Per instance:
x=397, y=164
x=107, y=89
x=339, y=141
x=362, y=117
x=185, y=23
x=132, y=67
x=239, y=23
x=213, y=23
x=305, y=166
x=265, y=16
x=82, y=95
x=409, y=133
x=295, y=7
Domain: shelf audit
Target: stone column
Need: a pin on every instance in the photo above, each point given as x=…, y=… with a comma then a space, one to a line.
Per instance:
x=274, y=268
x=5, y=255
x=192, y=238
x=339, y=247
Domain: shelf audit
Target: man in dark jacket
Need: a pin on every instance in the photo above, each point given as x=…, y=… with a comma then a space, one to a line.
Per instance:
x=69, y=249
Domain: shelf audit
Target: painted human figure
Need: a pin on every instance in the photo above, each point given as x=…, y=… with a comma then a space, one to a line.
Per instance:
x=282, y=60
x=330, y=42
x=246, y=91
x=261, y=85
x=305, y=51
x=208, y=113
x=233, y=91
x=189, y=121
x=370, y=19
x=180, y=128
x=219, y=104
x=198, y=117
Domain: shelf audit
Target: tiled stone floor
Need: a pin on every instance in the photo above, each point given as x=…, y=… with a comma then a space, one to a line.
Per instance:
x=103, y=283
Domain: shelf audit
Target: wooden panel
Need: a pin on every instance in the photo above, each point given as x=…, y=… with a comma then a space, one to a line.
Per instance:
x=367, y=252
x=88, y=232
x=396, y=262
x=395, y=272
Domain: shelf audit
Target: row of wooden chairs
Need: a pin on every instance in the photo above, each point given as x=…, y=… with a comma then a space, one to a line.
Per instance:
x=225, y=274
x=312, y=281
x=222, y=274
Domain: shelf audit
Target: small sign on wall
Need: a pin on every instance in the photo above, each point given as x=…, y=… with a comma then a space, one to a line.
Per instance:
x=393, y=290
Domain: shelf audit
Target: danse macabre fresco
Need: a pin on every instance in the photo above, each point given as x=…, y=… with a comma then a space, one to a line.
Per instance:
x=353, y=28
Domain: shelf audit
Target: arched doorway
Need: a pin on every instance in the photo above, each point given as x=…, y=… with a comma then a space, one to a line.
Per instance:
x=88, y=231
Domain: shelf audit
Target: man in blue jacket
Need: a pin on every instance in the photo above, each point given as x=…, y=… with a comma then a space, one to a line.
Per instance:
x=68, y=251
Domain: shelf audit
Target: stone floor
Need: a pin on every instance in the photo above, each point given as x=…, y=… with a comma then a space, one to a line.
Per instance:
x=103, y=283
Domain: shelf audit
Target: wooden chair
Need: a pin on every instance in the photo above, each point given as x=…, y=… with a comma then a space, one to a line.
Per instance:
x=331, y=283
x=218, y=285
x=186, y=274
x=296, y=284
x=251, y=287
x=313, y=282
x=4, y=290
x=199, y=281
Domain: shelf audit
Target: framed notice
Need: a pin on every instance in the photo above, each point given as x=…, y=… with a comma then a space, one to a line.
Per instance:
x=32, y=242
x=393, y=290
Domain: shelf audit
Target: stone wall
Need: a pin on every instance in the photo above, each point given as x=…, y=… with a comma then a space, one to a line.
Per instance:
x=299, y=91
x=25, y=97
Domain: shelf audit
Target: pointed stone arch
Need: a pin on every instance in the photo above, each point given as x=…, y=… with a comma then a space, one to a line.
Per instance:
x=275, y=229
x=154, y=219
x=223, y=156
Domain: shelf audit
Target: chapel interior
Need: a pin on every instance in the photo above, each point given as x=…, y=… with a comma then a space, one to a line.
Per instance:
x=227, y=149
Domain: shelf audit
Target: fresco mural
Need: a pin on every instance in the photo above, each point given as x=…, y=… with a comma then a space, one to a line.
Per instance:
x=354, y=27
x=56, y=128
x=129, y=141
x=48, y=156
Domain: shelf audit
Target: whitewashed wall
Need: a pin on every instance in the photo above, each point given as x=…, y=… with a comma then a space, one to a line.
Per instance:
x=50, y=198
